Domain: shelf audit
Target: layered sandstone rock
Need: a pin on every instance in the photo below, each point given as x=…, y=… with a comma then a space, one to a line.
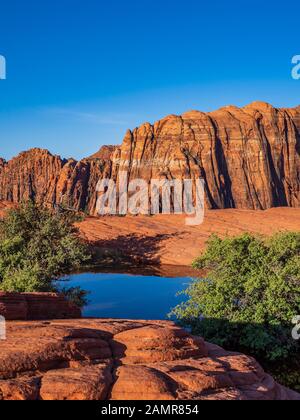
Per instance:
x=248, y=157
x=38, y=306
x=125, y=360
x=164, y=240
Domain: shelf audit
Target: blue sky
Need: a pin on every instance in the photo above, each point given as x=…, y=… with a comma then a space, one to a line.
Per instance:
x=79, y=73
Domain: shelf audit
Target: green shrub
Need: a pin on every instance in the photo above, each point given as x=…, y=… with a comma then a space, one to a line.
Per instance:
x=249, y=296
x=75, y=295
x=37, y=247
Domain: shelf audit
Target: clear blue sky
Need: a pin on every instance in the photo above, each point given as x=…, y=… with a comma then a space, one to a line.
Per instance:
x=81, y=72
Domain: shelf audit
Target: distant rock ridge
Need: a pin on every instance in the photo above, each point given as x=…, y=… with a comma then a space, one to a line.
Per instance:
x=249, y=158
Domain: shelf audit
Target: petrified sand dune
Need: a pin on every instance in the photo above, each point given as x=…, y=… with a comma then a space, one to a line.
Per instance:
x=248, y=157
x=167, y=240
x=125, y=360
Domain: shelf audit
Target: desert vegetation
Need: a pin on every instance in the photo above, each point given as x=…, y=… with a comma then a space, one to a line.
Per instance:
x=37, y=247
x=248, y=299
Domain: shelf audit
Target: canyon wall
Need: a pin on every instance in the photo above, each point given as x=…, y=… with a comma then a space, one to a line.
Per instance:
x=249, y=158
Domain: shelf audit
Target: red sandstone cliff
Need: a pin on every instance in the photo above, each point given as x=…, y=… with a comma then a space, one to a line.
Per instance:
x=249, y=158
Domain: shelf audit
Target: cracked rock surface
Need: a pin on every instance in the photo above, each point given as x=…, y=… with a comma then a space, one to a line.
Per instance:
x=94, y=359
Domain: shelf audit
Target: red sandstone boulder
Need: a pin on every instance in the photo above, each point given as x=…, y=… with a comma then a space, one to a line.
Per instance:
x=143, y=383
x=155, y=344
x=80, y=383
x=20, y=389
x=93, y=359
x=13, y=306
x=36, y=306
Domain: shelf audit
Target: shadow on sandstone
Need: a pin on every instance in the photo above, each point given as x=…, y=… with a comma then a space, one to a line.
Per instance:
x=129, y=250
x=94, y=359
x=272, y=345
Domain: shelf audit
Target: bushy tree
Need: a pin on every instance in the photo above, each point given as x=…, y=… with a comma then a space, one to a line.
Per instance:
x=37, y=247
x=249, y=295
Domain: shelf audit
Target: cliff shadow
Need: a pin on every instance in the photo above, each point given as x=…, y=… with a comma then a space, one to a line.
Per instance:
x=225, y=182
x=130, y=249
x=277, y=174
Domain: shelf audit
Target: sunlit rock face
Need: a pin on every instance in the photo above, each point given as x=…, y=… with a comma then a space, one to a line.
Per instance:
x=94, y=359
x=249, y=158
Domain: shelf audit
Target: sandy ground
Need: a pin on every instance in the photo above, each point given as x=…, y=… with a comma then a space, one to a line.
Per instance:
x=167, y=240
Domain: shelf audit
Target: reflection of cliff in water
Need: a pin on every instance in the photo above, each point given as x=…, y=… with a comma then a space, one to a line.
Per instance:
x=170, y=271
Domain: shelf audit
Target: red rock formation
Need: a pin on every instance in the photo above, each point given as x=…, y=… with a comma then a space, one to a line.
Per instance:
x=37, y=306
x=32, y=174
x=248, y=157
x=48, y=179
x=105, y=153
x=13, y=306
x=125, y=360
x=165, y=240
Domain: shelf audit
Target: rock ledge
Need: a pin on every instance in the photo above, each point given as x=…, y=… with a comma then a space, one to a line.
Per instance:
x=94, y=359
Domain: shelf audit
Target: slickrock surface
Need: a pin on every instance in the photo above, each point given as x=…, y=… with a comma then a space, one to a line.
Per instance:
x=167, y=240
x=248, y=157
x=125, y=360
x=37, y=306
